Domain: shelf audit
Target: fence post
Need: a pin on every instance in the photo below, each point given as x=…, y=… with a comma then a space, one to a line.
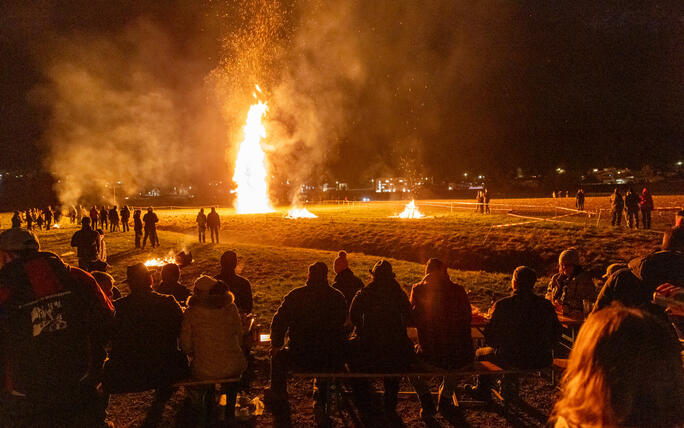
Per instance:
x=598, y=219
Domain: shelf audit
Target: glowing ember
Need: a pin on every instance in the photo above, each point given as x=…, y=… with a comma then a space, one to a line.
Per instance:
x=250, y=165
x=300, y=213
x=56, y=226
x=411, y=211
x=157, y=262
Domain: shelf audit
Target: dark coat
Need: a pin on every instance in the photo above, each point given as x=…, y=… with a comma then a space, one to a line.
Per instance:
x=16, y=221
x=627, y=289
x=314, y=316
x=150, y=220
x=646, y=201
x=201, y=220
x=178, y=291
x=113, y=215
x=87, y=243
x=213, y=219
x=631, y=202
x=380, y=312
x=348, y=284
x=442, y=313
x=137, y=224
x=658, y=268
x=616, y=202
x=94, y=214
x=145, y=353
x=523, y=330
x=125, y=214
x=241, y=289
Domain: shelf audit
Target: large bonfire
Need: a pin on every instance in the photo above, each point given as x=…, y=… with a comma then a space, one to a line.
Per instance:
x=411, y=211
x=250, y=165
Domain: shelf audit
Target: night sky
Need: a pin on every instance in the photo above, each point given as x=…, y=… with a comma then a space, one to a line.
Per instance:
x=488, y=87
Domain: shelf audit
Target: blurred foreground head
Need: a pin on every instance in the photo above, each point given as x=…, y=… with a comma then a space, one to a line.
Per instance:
x=170, y=272
x=318, y=272
x=138, y=277
x=382, y=270
x=16, y=243
x=625, y=370
x=435, y=266
x=229, y=261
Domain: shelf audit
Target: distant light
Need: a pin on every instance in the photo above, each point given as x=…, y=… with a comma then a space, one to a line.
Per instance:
x=465, y=174
x=365, y=199
x=480, y=177
x=680, y=163
x=595, y=169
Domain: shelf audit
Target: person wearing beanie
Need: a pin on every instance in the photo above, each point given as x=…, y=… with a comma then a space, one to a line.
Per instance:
x=144, y=341
x=571, y=285
x=442, y=313
x=313, y=316
x=170, y=285
x=521, y=334
x=239, y=286
x=345, y=280
x=211, y=336
x=380, y=313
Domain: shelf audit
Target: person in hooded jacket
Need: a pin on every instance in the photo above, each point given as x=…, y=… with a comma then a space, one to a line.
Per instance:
x=104, y=218
x=137, y=228
x=201, y=226
x=87, y=242
x=214, y=223
x=442, y=314
x=125, y=217
x=313, y=316
x=571, y=286
x=16, y=220
x=211, y=336
x=345, y=280
x=113, y=219
x=380, y=313
x=646, y=205
x=239, y=286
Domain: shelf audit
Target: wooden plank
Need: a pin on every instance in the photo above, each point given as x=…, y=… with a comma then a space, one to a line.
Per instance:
x=192, y=382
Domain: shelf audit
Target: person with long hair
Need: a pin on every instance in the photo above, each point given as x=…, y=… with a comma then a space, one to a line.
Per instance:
x=625, y=370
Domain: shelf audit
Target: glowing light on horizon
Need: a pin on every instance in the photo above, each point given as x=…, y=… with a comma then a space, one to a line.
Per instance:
x=250, y=165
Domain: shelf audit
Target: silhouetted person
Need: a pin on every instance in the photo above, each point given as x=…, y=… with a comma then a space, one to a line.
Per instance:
x=239, y=286
x=646, y=205
x=47, y=214
x=16, y=220
x=39, y=220
x=201, y=226
x=345, y=280
x=479, y=199
x=137, y=228
x=632, y=208
x=94, y=217
x=442, y=315
x=150, y=220
x=87, y=243
x=521, y=333
x=29, y=220
x=104, y=218
x=617, y=204
x=313, y=316
x=485, y=197
x=579, y=200
x=144, y=341
x=113, y=219
x=53, y=319
x=170, y=285
x=106, y=283
x=214, y=223
x=125, y=217
x=572, y=285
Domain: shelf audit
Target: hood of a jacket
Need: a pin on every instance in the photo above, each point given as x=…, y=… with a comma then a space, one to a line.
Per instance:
x=210, y=301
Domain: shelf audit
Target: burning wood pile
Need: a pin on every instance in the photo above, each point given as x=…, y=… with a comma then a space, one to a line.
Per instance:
x=182, y=259
x=411, y=211
x=295, y=213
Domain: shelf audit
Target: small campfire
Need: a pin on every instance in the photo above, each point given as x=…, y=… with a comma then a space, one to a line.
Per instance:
x=159, y=262
x=411, y=211
x=182, y=259
x=300, y=213
x=56, y=226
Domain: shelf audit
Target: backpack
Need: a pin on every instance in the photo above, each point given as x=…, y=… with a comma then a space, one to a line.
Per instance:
x=44, y=327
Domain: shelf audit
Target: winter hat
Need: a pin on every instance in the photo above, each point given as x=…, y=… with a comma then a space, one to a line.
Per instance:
x=204, y=284
x=614, y=268
x=341, y=262
x=382, y=269
x=569, y=256
x=18, y=240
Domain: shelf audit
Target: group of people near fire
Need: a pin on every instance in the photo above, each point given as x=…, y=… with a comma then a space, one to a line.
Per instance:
x=68, y=339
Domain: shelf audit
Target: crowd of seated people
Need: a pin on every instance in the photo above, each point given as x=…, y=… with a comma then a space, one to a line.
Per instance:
x=67, y=341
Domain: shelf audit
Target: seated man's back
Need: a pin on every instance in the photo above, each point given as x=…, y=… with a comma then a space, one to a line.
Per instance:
x=523, y=328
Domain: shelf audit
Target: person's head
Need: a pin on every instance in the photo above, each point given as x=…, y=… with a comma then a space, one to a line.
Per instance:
x=568, y=261
x=213, y=209
x=613, y=268
x=523, y=279
x=229, y=261
x=149, y=209
x=114, y=207
x=105, y=281
x=382, y=270
x=341, y=263
x=673, y=240
x=17, y=243
x=202, y=210
x=170, y=272
x=625, y=369
x=318, y=272
x=645, y=190
x=139, y=278
x=435, y=266
x=136, y=213
x=85, y=222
